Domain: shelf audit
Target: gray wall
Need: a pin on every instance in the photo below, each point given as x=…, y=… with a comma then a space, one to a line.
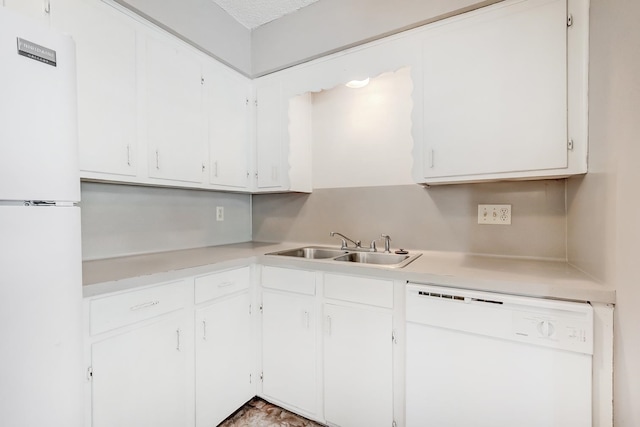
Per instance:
x=203, y=24
x=122, y=220
x=329, y=26
x=438, y=218
x=604, y=206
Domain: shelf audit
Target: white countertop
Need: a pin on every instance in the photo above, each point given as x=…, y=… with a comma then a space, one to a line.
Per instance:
x=529, y=277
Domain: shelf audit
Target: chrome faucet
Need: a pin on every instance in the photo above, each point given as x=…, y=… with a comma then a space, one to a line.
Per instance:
x=387, y=243
x=345, y=239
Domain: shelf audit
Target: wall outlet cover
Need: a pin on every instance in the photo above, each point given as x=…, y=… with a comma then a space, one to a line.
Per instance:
x=219, y=213
x=494, y=214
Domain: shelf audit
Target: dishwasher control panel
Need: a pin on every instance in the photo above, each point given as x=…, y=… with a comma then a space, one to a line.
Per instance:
x=564, y=325
x=560, y=329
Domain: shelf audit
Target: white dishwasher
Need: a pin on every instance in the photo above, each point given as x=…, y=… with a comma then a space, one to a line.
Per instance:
x=480, y=359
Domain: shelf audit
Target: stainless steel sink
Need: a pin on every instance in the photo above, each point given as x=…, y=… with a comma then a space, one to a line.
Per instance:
x=373, y=258
x=311, y=252
x=360, y=256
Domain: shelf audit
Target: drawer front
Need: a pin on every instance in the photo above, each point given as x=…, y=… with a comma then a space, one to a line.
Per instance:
x=359, y=289
x=219, y=284
x=286, y=279
x=113, y=312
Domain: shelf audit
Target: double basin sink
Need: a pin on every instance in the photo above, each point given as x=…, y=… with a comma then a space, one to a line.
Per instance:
x=359, y=256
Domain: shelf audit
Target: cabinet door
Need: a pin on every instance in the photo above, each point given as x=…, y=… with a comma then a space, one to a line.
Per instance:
x=289, y=349
x=37, y=10
x=223, y=359
x=176, y=132
x=140, y=377
x=495, y=91
x=227, y=107
x=358, y=367
x=106, y=72
x=269, y=135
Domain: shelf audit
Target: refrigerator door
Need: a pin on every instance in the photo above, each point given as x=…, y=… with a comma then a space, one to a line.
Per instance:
x=41, y=372
x=38, y=109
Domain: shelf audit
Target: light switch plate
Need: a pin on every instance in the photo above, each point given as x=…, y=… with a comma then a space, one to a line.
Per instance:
x=219, y=213
x=494, y=214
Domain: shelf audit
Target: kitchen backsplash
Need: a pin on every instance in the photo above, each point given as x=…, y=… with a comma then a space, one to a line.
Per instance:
x=436, y=218
x=120, y=220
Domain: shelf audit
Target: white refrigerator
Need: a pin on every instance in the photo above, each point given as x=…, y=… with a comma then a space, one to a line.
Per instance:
x=41, y=369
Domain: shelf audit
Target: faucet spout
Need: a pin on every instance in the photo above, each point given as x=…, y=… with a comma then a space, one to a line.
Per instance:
x=344, y=239
x=387, y=243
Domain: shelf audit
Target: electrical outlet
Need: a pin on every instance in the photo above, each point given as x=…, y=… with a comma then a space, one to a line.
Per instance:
x=219, y=213
x=494, y=214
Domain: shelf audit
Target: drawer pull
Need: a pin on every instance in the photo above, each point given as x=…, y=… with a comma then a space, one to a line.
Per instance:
x=178, y=339
x=226, y=284
x=204, y=330
x=144, y=305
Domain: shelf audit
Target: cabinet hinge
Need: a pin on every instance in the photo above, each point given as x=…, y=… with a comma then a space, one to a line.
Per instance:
x=394, y=424
x=262, y=376
x=202, y=80
x=570, y=144
x=261, y=308
x=249, y=309
x=256, y=103
x=89, y=373
x=569, y=20
x=250, y=379
x=393, y=337
x=246, y=102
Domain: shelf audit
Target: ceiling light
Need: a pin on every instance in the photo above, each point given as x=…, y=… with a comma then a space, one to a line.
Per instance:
x=356, y=84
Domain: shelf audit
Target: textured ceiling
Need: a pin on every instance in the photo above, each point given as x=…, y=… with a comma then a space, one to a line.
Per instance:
x=253, y=13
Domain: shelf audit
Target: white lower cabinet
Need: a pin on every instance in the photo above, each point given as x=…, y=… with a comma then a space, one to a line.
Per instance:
x=358, y=365
x=223, y=359
x=289, y=339
x=289, y=349
x=358, y=351
x=140, y=376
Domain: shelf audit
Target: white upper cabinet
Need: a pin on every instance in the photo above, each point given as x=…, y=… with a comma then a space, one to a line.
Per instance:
x=38, y=10
x=226, y=104
x=269, y=135
x=494, y=96
x=106, y=72
x=283, y=123
x=174, y=123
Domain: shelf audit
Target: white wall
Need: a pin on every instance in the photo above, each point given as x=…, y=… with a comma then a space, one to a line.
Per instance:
x=329, y=26
x=119, y=220
x=604, y=206
x=362, y=137
x=203, y=24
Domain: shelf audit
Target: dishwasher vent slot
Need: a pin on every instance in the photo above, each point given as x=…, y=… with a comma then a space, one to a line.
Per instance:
x=456, y=297
x=439, y=295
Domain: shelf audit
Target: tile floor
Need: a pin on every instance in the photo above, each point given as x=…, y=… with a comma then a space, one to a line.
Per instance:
x=260, y=413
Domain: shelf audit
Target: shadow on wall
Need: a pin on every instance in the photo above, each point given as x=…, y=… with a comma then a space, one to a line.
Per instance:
x=437, y=218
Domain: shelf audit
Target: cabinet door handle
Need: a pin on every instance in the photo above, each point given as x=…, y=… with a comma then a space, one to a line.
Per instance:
x=328, y=325
x=215, y=169
x=157, y=159
x=128, y=155
x=204, y=330
x=178, y=339
x=305, y=319
x=47, y=6
x=431, y=158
